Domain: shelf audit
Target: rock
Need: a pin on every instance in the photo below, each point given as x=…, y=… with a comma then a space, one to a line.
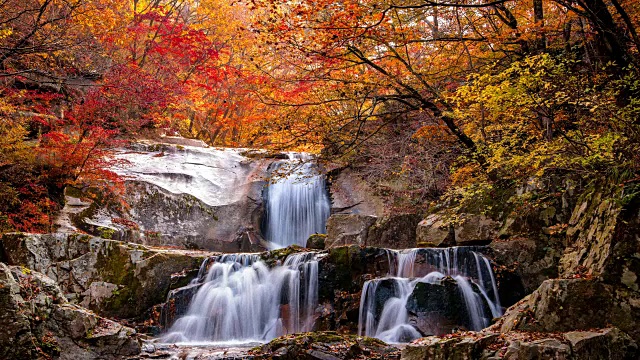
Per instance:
x=110, y=277
x=178, y=195
x=563, y=305
x=316, y=241
x=525, y=264
x=341, y=275
x=475, y=229
x=603, y=236
x=434, y=232
x=608, y=343
x=348, y=229
x=39, y=323
x=325, y=345
x=551, y=349
x=437, y=309
x=176, y=305
x=394, y=232
x=469, y=347
x=352, y=195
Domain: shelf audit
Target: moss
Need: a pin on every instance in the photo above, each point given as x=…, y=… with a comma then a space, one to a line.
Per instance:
x=106, y=233
x=273, y=256
x=113, y=265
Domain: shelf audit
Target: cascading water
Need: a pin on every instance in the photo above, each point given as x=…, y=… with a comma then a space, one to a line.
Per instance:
x=297, y=203
x=242, y=300
x=387, y=317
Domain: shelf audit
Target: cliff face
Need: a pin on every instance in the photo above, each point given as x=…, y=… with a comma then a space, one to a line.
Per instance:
x=178, y=195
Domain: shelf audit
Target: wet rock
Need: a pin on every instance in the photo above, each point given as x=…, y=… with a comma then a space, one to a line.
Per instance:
x=394, y=232
x=440, y=308
x=110, y=277
x=326, y=345
x=348, y=229
x=434, y=232
x=176, y=305
x=39, y=323
x=341, y=275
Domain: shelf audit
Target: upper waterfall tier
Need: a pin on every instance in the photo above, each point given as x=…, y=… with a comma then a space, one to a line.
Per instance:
x=296, y=202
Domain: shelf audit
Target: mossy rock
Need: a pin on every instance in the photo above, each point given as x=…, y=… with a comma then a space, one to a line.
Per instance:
x=316, y=241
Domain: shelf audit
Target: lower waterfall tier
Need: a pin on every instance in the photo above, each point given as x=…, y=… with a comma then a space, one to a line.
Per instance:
x=404, y=294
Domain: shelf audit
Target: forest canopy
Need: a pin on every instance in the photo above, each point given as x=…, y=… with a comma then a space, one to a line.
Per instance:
x=424, y=98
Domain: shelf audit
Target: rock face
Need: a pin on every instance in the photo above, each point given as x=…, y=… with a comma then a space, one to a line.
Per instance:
x=348, y=229
x=574, y=304
x=603, y=236
x=110, y=277
x=394, y=231
x=352, y=195
x=179, y=195
x=39, y=323
x=608, y=343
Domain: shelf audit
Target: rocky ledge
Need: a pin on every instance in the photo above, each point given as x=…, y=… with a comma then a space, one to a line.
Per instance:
x=39, y=323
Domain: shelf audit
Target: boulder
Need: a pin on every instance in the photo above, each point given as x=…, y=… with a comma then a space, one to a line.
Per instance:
x=434, y=231
x=610, y=343
x=316, y=241
x=394, y=232
x=473, y=229
x=525, y=264
x=110, y=277
x=563, y=305
x=348, y=229
x=39, y=323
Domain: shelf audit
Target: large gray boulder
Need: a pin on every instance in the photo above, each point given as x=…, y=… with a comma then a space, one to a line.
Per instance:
x=38, y=323
x=177, y=195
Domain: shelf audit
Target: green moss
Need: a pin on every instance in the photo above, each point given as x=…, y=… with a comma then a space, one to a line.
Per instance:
x=106, y=233
x=113, y=265
x=273, y=256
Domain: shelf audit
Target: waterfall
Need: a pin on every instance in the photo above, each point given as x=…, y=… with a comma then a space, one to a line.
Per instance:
x=383, y=303
x=243, y=300
x=297, y=204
